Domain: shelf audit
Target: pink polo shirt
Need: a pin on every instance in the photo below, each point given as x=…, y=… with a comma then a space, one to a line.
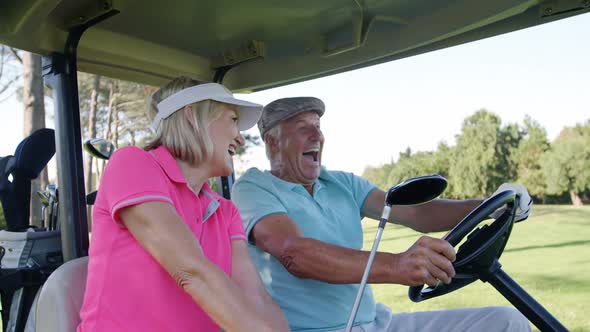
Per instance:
x=127, y=290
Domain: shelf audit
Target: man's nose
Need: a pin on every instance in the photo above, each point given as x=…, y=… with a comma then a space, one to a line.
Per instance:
x=316, y=134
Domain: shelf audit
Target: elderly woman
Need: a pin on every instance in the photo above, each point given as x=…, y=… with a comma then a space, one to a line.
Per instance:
x=167, y=253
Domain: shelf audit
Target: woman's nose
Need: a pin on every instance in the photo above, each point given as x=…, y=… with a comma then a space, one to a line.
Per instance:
x=240, y=139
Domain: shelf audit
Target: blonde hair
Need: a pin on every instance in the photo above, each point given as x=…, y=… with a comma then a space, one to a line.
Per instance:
x=273, y=132
x=187, y=138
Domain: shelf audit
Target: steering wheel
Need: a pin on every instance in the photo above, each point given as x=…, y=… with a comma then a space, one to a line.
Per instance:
x=477, y=258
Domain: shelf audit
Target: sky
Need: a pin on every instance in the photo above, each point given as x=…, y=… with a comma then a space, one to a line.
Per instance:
x=374, y=113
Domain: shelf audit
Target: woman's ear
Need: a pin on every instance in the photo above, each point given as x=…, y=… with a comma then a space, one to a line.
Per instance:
x=188, y=115
x=188, y=110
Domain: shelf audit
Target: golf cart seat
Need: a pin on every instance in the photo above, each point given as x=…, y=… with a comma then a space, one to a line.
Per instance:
x=30, y=157
x=57, y=305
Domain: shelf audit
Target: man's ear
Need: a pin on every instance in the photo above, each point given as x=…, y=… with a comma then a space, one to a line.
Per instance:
x=272, y=142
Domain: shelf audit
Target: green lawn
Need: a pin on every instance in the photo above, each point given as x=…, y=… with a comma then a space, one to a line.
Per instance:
x=548, y=255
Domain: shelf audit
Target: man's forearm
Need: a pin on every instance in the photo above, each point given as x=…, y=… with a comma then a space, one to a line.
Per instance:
x=434, y=216
x=313, y=259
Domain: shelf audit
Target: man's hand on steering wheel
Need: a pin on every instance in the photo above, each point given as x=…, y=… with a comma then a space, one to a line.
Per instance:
x=427, y=261
x=525, y=201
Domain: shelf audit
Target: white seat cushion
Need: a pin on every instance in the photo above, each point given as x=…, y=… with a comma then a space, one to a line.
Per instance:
x=57, y=307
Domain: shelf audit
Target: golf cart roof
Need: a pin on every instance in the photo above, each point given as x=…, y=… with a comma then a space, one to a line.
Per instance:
x=272, y=42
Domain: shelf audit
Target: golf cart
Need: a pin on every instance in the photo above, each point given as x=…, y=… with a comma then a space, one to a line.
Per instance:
x=247, y=45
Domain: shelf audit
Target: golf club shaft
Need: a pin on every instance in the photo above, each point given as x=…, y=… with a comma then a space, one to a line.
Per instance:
x=359, y=294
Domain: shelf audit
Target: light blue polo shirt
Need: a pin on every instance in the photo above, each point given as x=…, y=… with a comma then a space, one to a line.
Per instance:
x=332, y=215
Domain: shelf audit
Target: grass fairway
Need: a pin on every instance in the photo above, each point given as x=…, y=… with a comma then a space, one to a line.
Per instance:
x=548, y=255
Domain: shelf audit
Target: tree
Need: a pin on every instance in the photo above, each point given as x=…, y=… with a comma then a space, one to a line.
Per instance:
x=131, y=123
x=250, y=141
x=527, y=158
x=419, y=163
x=34, y=118
x=10, y=71
x=16, y=65
x=566, y=165
x=91, y=129
x=443, y=157
x=379, y=175
x=505, y=169
x=91, y=134
x=120, y=112
x=476, y=149
x=410, y=165
x=482, y=158
x=114, y=110
x=407, y=153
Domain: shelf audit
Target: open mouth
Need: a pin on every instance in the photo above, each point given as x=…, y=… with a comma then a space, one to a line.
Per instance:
x=312, y=154
x=231, y=150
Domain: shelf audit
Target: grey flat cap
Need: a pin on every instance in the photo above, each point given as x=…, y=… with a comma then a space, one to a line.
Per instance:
x=285, y=108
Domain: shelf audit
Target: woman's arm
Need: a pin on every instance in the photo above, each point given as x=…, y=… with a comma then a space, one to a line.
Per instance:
x=159, y=229
x=244, y=274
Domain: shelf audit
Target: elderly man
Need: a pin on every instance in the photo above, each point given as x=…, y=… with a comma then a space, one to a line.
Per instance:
x=304, y=229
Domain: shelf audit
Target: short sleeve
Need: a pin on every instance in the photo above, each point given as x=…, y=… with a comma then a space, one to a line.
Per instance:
x=132, y=176
x=361, y=188
x=254, y=203
x=236, y=228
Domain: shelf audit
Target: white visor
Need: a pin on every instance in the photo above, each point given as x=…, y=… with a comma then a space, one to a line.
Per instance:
x=248, y=112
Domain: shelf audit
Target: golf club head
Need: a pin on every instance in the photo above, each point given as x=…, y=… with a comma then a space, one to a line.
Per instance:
x=51, y=190
x=43, y=197
x=416, y=190
x=99, y=148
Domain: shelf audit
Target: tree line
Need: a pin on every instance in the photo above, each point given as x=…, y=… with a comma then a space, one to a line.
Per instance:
x=488, y=153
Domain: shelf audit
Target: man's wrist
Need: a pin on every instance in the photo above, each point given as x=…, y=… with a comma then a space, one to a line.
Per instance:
x=392, y=268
